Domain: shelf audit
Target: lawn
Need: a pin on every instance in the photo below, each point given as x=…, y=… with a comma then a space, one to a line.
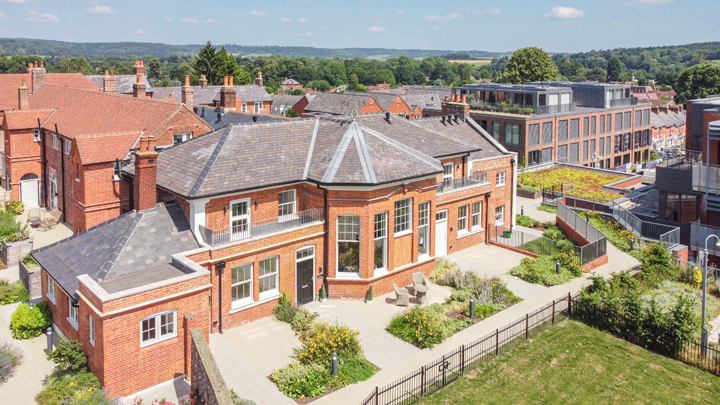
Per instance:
x=584, y=183
x=574, y=363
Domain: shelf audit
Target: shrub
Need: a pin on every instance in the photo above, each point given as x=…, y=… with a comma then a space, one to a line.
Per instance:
x=443, y=267
x=27, y=324
x=285, y=312
x=301, y=380
x=541, y=270
x=68, y=356
x=29, y=262
x=526, y=221
x=8, y=224
x=323, y=291
x=554, y=234
x=10, y=357
x=337, y=338
x=656, y=262
x=419, y=327
x=61, y=385
x=14, y=206
x=529, y=188
x=351, y=371
x=302, y=320
x=12, y=292
x=240, y=401
x=91, y=396
x=461, y=295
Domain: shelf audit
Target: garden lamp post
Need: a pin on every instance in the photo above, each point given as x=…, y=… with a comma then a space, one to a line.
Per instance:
x=704, y=333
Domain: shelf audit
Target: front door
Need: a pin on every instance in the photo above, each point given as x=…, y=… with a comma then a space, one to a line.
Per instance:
x=305, y=274
x=29, y=193
x=441, y=233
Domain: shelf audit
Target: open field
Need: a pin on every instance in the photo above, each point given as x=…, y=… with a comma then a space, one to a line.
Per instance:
x=574, y=363
x=472, y=61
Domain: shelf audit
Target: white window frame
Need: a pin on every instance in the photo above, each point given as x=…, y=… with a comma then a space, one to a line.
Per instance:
x=476, y=217
x=463, y=219
x=501, y=212
x=91, y=329
x=36, y=135
x=243, y=107
x=274, y=291
x=292, y=206
x=499, y=179
x=51, y=289
x=236, y=303
x=448, y=176
x=68, y=147
x=72, y=314
x=248, y=216
x=338, y=241
x=407, y=218
x=380, y=233
x=258, y=107
x=55, y=141
x=158, y=337
x=424, y=223
x=184, y=137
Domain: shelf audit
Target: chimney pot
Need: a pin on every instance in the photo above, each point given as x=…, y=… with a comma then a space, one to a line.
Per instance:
x=112, y=73
x=232, y=78
x=29, y=66
x=42, y=64
x=106, y=72
x=143, y=144
x=187, y=80
x=225, y=81
x=36, y=65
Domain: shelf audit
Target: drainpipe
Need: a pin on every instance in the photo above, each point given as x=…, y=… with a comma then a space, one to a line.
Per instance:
x=487, y=217
x=43, y=162
x=62, y=170
x=326, y=242
x=513, y=193
x=220, y=267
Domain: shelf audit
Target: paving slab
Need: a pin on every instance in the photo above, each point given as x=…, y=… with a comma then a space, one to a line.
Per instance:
x=173, y=391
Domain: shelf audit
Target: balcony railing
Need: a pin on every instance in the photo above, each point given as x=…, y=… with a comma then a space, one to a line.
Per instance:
x=521, y=109
x=622, y=102
x=216, y=237
x=681, y=157
x=704, y=176
x=475, y=179
x=699, y=233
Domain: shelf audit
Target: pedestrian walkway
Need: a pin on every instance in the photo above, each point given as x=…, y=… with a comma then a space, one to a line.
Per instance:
x=380, y=346
x=243, y=378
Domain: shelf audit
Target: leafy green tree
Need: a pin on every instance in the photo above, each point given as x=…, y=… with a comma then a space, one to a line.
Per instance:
x=153, y=69
x=319, y=85
x=297, y=92
x=182, y=70
x=697, y=82
x=529, y=65
x=291, y=113
x=353, y=82
x=205, y=64
x=68, y=356
x=614, y=69
x=76, y=65
x=597, y=74
x=334, y=72
x=384, y=76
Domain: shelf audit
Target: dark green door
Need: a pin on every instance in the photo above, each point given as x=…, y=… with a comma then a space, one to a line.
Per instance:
x=305, y=274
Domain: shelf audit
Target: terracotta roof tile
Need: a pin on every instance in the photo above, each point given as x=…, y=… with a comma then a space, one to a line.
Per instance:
x=10, y=82
x=102, y=148
x=17, y=119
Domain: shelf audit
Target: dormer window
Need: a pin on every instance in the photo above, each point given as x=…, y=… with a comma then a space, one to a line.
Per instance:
x=36, y=135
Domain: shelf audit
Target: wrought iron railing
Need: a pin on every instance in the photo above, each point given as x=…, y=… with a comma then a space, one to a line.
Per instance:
x=475, y=179
x=239, y=232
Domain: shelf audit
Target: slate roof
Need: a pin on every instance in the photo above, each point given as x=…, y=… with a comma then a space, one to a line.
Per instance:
x=425, y=100
x=234, y=118
x=368, y=150
x=290, y=81
x=208, y=95
x=25, y=119
x=9, y=84
x=338, y=103
x=285, y=100
x=123, y=83
x=662, y=119
x=130, y=250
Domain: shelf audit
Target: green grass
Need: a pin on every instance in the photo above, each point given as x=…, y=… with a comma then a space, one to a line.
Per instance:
x=547, y=208
x=526, y=221
x=576, y=364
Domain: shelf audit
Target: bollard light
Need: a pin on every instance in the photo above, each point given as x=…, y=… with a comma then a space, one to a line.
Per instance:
x=557, y=266
x=49, y=339
x=32, y=306
x=334, y=364
x=587, y=216
x=522, y=210
x=632, y=243
x=472, y=307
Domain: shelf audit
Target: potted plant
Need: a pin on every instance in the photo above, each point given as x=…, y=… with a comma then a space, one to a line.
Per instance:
x=323, y=293
x=369, y=296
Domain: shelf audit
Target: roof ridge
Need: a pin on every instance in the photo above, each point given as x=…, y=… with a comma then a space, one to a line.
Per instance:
x=211, y=161
x=103, y=134
x=111, y=94
x=29, y=111
x=338, y=156
x=401, y=146
x=107, y=267
x=364, y=155
x=443, y=134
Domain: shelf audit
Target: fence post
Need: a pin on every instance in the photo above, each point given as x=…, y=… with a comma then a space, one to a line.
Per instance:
x=443, y=368
x=569, y=304
x=553, y=315
x=376, y=395
x=462, y=359
x=497, y=341
x=527, y=323
x=422, y=381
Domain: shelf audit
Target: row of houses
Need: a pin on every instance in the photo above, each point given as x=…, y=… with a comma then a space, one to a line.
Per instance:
x=668, y=129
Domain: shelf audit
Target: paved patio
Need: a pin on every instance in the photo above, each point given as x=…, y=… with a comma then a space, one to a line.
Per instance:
x=46, y=237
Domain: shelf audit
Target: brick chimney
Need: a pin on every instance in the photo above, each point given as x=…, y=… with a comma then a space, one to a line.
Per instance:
x=139, y=68
x=259, y=80
x=228, y=94
x=187, y=93
x=456, y=105
x=203, y=81
x=109, y=82
x=24, y=96
x=38, y=76
x=144, y=183
x=139, y=87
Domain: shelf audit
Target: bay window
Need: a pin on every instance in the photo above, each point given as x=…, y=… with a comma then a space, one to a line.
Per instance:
x=380, y=256
x=403, y=216
x=348, y=244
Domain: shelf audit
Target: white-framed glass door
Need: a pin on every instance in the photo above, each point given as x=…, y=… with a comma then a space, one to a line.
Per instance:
x=441, y=228
x=240, y=219
x=52, y=176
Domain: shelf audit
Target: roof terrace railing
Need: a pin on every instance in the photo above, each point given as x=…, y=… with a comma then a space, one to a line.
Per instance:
x=706, y=176
x=246, y=230
x=475, y=179
x=521, y=109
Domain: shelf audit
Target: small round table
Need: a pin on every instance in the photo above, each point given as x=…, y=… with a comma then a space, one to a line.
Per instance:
x=421, y=293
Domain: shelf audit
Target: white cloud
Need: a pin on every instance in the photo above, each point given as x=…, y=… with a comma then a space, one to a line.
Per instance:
x=491, y=10
x=2, y=16
x=209, y=21
x=256, y=13
x=401, y=12
x=305, y=34
x=448, y=17
x=16, y=1
x=42, y=17
x=303, y=20
x=168, y=18
x=139, y=32
x=375, y=28
x=565, y=12
x=100, y=10
x=189, y=20
x=284, y=19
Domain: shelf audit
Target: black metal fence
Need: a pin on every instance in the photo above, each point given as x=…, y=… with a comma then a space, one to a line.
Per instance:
x=449, y=367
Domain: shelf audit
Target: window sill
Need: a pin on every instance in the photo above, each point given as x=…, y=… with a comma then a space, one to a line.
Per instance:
x=466, y=234
x=92, y=342
x=250, y=304
x=500, y=185
x=347, y=275
x=51, y=297
x=380, y=272
x=403, y=233
x=239, y=304
x=268, y=295
x=423, y=257
x=162, y=339
x=73, y=322
x=499, y=223
x=462, y=232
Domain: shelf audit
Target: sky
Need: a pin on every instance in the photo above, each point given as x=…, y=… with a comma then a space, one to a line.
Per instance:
x=493, y=25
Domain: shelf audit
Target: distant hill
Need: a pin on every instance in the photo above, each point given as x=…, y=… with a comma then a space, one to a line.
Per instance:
x=42, y=47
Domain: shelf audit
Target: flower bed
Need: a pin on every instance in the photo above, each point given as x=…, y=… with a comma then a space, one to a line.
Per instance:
x=542, y=270
x=583, y=183
x=10, y=357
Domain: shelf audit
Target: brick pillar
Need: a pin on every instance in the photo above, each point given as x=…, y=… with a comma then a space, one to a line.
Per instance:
x=139, y=68
x=139, y=87
x=259, y=80
x=109, y=82
x=144, y=183
x=38, y=76
x=24, y=96
x=228, y=95
x=203, y=81
x=187, y=93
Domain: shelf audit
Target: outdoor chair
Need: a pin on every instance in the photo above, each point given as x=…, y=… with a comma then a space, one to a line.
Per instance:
x=34, y=216
x=51, y=219
x=420, y=287
x=402, y=296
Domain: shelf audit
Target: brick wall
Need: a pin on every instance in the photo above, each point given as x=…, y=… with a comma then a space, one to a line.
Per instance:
x=207, y=383
x=22, y=157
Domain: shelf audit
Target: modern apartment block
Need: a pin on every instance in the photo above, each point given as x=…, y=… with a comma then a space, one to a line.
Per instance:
x=689, y=188
x=591, y=124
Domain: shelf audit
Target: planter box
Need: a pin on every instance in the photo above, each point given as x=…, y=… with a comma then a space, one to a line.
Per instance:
x=13, y=252
x=529, y=194
x=31, y=278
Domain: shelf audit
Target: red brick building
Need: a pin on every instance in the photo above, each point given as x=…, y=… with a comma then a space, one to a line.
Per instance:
x=359, y=202
x=668, y=129
x=291, y=84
